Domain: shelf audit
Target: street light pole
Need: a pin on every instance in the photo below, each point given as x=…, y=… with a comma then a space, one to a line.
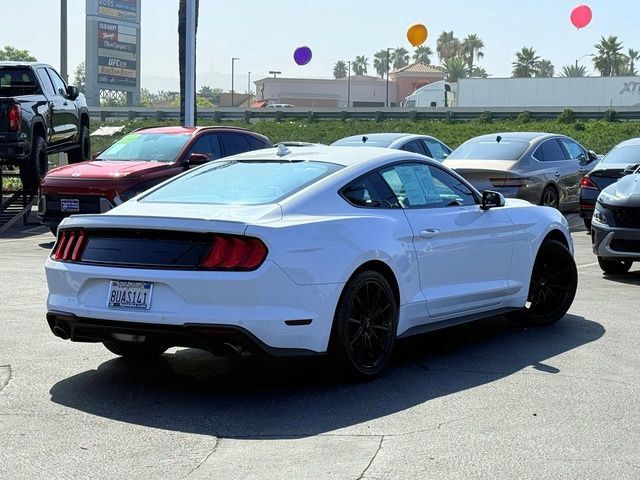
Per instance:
x=249, y=84
x=190, y=65
x=388, y=50
x=63, y=41
x=584, y=56
x=349, y=86
x=233, y=61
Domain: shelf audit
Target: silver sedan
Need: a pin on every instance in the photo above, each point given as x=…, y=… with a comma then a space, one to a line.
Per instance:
x=543, y=168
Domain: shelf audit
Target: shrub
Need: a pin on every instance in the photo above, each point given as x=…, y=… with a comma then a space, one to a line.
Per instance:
x=579, y=126
x=523, y=117
x=611, y=115
x=567, y=116
x=485, y=117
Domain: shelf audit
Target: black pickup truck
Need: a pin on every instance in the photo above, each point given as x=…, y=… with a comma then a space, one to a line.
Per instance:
x=39, y=115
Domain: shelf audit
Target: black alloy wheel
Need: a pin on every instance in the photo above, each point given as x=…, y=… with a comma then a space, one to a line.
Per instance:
x=553, y=285
x=550, y=198
x=615, y=266
x=365, y=325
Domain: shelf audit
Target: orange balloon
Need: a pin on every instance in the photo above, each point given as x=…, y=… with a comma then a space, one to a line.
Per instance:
x=417, y=34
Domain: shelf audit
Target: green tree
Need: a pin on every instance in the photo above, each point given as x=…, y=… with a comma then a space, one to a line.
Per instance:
x=380, y=63
x=340, y=69
x=610, y=60
x=633, y=56
x=447, y=46
x=360, y=64
x=526, y=64
x=544, y=69
x=573, y=71
x=423, y=54
x=182, y=46
x=456, y=68
x=472, y=50
x=79, y=78
x=478, y=72
x=400, y=58
x=11, y=54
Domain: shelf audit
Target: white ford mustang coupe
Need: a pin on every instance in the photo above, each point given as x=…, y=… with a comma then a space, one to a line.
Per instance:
x=307, y=251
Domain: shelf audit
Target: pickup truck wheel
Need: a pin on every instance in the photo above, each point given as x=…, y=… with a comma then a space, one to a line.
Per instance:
x=83, y=152
x=35, y=167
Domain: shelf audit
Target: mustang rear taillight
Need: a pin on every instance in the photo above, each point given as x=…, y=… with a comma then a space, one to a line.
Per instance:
x=15, y=115
x=70, y=245
x=586, y=182
x=234, y=253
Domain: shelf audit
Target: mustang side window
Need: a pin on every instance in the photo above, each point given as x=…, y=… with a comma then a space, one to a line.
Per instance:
x=370, y=192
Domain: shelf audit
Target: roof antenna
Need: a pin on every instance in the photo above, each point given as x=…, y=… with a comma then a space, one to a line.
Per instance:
x=364, y=139
x=498, y=139
x=283, y=151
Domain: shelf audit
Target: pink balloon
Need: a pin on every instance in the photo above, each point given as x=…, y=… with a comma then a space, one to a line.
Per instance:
x=581, y=16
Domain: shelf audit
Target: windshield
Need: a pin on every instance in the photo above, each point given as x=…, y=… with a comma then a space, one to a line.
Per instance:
x=138, y=147
x=490, y=150
x=17, y=81
x=628, y=154
x=241, y=183
x=357, y=142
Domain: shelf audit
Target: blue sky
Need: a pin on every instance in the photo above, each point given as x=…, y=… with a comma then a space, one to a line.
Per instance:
x=265, y=33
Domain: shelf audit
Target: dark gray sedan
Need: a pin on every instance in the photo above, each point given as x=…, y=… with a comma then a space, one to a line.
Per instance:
x=543, y=168
x=422, y=144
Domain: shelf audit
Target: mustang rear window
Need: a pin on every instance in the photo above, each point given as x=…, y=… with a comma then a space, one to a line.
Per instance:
x=241, y=182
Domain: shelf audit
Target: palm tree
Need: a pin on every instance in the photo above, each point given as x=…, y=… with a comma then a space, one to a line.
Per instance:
x=340, y=69
x=447, y=46
x=633, y=55
x=572, y=71
x=526, y=64
x=610, y=59
x=182, y=47
x=472, y=49
x=360, y=65
x=544, y=69
x=422, y=54
x=400, y=58
x=478, y=72
x=456, y=68
x=380, y=63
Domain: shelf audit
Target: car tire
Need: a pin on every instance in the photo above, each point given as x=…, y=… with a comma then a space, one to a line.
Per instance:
x=83, y=152
x=587, y=223
x=550, y=198
x=35, y=167
x=549, y=302
x=135, y=351
x=364, y=326
x=615, y=266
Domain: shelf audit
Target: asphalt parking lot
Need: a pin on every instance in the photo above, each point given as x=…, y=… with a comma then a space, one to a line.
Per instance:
x=490, y=400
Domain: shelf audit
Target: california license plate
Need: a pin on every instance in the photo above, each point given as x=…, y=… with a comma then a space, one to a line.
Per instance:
x=70, y=205
x=127, y=294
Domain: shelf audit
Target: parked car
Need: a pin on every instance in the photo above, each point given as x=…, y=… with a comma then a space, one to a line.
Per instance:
x=620, y=161
x=39, y=115
x=279, y=105
x=543, y=168
x=133, y=164
x=422, y=144
x=615, y=227
x=304, y=252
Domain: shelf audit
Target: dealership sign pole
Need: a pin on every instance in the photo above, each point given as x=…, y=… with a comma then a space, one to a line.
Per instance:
x=190, y=65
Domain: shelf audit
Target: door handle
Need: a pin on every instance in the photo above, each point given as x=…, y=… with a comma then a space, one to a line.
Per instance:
x=558, y=175
x=65, y=104
x=430, y=233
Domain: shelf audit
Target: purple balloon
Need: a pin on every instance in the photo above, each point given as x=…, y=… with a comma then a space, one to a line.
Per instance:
x=302, y=55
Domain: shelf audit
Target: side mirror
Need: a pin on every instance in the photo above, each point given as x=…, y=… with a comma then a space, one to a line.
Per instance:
x=195, y=159
x=491, y=199
x=593, y=156
x=72, y=92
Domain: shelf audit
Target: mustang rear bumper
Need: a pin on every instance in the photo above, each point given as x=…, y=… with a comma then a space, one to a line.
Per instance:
x=218, y=339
